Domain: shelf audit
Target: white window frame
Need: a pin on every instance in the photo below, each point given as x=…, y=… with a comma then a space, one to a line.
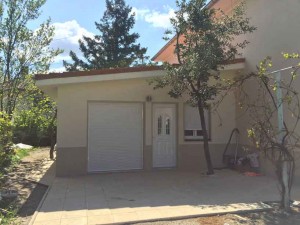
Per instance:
x=196, y=127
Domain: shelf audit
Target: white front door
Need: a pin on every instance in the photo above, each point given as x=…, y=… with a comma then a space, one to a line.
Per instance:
x=164, y=135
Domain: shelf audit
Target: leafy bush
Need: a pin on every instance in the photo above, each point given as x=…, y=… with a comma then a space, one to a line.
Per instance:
x=6, y=134
x=9, y=217
x=19, y=154
x=29, y=127
x=35, y=121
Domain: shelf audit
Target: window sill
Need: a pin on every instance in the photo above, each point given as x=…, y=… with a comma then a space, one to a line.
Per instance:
x=195, y=140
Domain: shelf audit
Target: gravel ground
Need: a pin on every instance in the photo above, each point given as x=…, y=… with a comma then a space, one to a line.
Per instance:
x=28, y=178
x=260, y=218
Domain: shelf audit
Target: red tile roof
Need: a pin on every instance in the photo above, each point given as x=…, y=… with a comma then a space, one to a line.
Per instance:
x=208, y=5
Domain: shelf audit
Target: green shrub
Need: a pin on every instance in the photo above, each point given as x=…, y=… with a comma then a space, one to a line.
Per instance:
x=34, y=123
x=6, y=134
x=9, y=217
x=28, y=127
x=19, y=154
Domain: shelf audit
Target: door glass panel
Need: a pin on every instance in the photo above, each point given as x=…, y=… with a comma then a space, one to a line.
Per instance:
x=168, y=121
x=159, y=125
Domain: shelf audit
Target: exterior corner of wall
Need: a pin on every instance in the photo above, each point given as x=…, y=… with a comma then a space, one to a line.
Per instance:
x=71, y=161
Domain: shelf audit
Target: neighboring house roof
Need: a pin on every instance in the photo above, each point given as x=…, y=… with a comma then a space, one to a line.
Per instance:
x=211, y=3
x=166, y=53
x=170, y=42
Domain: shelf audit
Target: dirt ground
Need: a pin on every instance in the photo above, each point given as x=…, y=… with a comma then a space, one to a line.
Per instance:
x=259, y=218
x=30, y=178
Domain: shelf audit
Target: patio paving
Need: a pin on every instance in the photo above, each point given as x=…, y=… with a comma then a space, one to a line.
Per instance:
x=143, y=196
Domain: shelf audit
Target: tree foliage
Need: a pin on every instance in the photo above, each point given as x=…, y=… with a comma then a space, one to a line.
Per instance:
x=205, y=41
x=22, y=51
x=35, y=118
x=115, y=46
x=6, y=134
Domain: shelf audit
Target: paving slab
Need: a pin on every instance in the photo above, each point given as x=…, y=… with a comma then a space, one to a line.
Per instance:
x=116, y=198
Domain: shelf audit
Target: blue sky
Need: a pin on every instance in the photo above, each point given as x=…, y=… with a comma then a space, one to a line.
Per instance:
x=74, y=18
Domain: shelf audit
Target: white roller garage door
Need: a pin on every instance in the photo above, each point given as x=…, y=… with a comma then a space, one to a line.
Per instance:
x=115, y=136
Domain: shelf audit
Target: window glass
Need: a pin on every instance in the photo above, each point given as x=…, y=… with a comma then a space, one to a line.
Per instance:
x=159, y=125
x=192, y=123
x=188, y=133
x=168, y=126
x=200, y=132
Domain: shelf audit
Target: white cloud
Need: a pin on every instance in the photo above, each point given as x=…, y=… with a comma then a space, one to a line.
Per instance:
x=62, y=57
x=57, y=70
x=66, y=38
x=155, y=18
x=140, y=13
x=70, y=31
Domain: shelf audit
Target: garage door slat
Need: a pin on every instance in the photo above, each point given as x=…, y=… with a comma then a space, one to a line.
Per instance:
x=115, y=136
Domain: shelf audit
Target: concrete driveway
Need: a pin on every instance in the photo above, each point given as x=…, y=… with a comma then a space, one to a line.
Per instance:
x=140, y=196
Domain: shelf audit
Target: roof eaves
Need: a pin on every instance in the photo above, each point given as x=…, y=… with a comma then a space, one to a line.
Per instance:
x=211, y=3
x=96, y=72
x=104, y=72
x=163, y=48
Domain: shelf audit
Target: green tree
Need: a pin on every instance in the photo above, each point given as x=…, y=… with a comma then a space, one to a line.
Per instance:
x=22, y=51
x=35, y=118
x=205, y=41
x=115, y=46
x=6, y=128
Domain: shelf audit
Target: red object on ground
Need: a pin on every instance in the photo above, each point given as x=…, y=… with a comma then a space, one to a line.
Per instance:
x=252, y=174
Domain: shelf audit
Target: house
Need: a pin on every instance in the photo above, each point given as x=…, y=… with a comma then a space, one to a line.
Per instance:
x=113, y=120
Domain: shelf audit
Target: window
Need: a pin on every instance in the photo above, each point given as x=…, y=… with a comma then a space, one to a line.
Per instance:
x=167, y=126
x=159, y=125
x=192, y=125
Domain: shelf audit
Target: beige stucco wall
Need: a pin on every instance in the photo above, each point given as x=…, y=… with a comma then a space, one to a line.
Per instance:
x=278, y=31
x=73, y=100
x=72, y=123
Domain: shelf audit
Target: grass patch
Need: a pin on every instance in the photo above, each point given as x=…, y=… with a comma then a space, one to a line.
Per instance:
x=20, y=154
x=8, y=215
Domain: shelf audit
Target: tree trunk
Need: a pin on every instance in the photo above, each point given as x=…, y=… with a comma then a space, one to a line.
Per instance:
x=52, y=148
x=210, y=169
x=52, y=135
x=285, y=200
